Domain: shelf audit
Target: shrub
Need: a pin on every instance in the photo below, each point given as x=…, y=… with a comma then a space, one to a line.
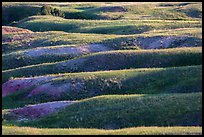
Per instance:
x=48, y=10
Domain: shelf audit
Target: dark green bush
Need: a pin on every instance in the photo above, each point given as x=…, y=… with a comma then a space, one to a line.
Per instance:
x=48, y=10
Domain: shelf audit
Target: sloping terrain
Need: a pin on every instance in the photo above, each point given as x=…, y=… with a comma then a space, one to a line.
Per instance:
x=102, y=68
x=12, y=30
x=113, y=60
x=122, y=111
x=37, y=111
x=72, y=86
x=108, y=10
x=49, y=23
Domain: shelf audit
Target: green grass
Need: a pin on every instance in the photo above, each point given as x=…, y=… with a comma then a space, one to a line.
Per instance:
x=122, y=111
x=192, y=10
x=14, y=57
x=100, y=11
x=48, y=23
x=127, y=131
x=114, y=60
x=53, y=38
x=20, y=59
x=137, y=11
x=127, y=90
x=15, y=13
x=56, y=38
x=185, y=79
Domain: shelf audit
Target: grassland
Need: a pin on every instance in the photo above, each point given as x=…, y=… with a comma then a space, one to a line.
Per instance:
x=122, y=111
x=46, y=45
x=56, y=38
x=127, y=68
x=127, y=131
x=110, y=11
x=109, y=61
x=49, y=23
x=85, y=85
x=53, y=38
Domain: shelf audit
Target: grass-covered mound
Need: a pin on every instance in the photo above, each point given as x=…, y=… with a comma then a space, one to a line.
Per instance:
x=102, y=58
x=122, y=111
x=49, y=23
x=21, y=42
x=48, y=54
x=74, y=86
x=113, y=60
x=13, y=13
x=109, y=11
x=16, y=42
x=10, y=130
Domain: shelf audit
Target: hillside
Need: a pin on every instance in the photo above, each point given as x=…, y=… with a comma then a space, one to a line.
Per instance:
x=101, y=68
x=109, y=61
x=122, y=111
x=72, y=86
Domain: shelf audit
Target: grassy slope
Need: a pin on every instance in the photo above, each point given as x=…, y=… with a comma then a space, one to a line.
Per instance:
x=15, y=60
x=145, y=81
x=109, y=61
x=21, y=12
x=14, y=51
x=127, y=131
x=47, y=23
x=110, y=11
x=164, y=106
x=51, y=38
x=120, y=111
x=54, y=38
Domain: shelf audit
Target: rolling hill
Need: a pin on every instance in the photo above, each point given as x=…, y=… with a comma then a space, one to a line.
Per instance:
x=95, y=68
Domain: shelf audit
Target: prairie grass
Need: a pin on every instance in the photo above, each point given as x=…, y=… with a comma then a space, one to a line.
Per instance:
x=149, y=82
x=123, y=111
x=49, y=23
x=110, y=61
x=187, y=79
x=177, y=130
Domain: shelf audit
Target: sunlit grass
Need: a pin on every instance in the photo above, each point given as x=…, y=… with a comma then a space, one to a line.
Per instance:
x=82, y=131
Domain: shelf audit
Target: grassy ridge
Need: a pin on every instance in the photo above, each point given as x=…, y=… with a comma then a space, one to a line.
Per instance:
x=56, y=38
x=122, y=111
x=129, y=89
x=136, y=81
x=14, y=51
x=136, y=11
x=127, y=131
x=48, y=23
x=15, y=60
x=110, y=61
x=51, y=38
x=21, y=12
x=111, y=11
